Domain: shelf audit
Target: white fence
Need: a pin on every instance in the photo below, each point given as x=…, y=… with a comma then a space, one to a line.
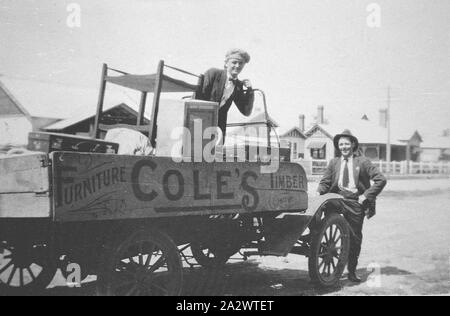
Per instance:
x=313, y=167
x=405, y=167
x=317, y=167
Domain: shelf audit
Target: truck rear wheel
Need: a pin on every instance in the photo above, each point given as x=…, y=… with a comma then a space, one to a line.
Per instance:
x=147, y=263
x=330, y=243
x=26, y=267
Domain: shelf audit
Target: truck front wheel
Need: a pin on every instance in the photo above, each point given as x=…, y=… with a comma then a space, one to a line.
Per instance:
x=330, y=243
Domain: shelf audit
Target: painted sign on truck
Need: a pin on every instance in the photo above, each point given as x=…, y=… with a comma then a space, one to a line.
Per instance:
x=90, y=186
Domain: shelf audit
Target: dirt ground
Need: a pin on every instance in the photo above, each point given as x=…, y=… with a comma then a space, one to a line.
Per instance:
x=406, y=251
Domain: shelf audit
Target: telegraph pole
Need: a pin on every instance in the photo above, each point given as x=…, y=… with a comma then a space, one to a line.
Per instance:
x=388, y=119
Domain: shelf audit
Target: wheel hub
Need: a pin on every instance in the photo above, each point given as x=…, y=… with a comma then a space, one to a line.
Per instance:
x=330, y=252
x=141, y=274
x=22, y=256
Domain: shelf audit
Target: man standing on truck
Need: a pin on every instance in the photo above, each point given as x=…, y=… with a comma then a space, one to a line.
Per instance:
x=224, y=87
x=350, y=176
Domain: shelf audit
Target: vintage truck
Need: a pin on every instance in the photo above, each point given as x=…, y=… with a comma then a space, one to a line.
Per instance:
x=132, y=219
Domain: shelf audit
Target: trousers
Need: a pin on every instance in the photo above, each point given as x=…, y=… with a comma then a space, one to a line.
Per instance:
x=354, y=214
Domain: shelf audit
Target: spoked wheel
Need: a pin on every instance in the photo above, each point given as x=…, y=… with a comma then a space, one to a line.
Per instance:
x=329, y=250
x=145, y=264
x=212, y=256
x=26, y=267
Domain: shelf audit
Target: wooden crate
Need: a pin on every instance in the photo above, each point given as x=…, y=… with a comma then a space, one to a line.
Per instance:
x=24, y=186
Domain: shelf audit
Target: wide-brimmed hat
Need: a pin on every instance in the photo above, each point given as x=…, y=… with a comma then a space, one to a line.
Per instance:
x=346, y=133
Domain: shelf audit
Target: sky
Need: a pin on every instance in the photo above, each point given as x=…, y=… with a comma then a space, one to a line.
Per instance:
x=303, y=53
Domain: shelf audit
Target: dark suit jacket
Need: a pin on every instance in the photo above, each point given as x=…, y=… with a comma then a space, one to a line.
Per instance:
x=213, y=88
x=363, y=172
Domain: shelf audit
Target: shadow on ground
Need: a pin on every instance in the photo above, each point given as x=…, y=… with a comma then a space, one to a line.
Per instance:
x=248, y=278
x=243, y=279
x=365, y=274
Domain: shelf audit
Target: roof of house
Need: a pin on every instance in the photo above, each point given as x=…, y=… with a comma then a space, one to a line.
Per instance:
x=86, y=115
x=294, y=129
x=261, y=117
x=366, y=131
x=240, y=119
x=52, y=100
x=243, y=134
x=9, y=105
x=407, y=137
x=440, y=142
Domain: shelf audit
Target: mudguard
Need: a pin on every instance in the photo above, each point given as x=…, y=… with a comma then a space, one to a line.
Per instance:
x=283, y=232
x=316, y=203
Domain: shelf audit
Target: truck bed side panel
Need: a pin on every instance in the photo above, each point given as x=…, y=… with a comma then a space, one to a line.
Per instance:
x=104, y=187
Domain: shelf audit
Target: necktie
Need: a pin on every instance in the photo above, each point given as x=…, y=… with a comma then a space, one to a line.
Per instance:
x=345, y=178
x=229, y=89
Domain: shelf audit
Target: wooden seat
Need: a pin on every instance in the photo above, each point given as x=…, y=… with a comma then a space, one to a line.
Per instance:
x=156, y=83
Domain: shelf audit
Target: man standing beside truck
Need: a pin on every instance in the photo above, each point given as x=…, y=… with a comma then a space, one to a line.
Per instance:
x=350, y=176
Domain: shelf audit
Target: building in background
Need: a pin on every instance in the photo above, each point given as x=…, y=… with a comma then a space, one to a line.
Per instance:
x=436, y=149
x=253, y=132
x=15, y=121
x=295, y=139
x=318, y=139
x=47, y=103
x=30, y=105
x=83, y=124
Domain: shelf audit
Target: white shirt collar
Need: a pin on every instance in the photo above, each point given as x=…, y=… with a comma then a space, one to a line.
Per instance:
x=230, y=76
x=349, y=158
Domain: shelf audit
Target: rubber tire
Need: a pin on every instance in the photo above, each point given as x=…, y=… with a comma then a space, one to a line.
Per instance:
x=42, y=280
x=316, y=238
x=164, y=242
